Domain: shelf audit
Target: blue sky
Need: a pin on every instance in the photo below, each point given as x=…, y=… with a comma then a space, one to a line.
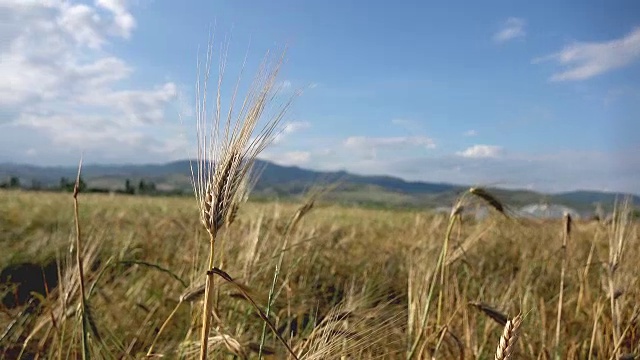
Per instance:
x=540, y=95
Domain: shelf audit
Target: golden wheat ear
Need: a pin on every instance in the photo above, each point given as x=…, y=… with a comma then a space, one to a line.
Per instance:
x=229, y=142
x=508, y=339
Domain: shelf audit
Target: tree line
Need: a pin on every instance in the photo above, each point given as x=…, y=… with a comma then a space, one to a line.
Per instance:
x=142, y=187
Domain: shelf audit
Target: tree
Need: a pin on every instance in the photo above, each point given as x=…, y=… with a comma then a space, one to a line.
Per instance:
x=14, y=182
x=64, y=184
x=36, y=184
x=128, y=188
x=68, y=185
x=146, y=187
x=82, y=185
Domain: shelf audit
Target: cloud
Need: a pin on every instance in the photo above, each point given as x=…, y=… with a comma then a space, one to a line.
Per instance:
x=289, y=129
x=481, y=151
x=364, y=142
x=294, y=126
x=61, y=82
x=285, y=84
x=470, y=133
x=402, y=122
x=83, y=24
x=372, y=147
x=584, y=60
x=549, y=172
x=138, y=106
x=512, y=28
x=100, y=137
x=124, y=22
x=409, y=125
x=288, y=158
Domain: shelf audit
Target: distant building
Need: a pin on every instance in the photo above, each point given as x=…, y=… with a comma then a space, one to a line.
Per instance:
x=548, y=211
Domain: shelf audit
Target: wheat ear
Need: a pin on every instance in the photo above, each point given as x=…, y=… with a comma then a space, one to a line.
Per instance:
x=508, y=339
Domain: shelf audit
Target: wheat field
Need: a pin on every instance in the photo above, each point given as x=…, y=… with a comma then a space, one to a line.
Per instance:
x=349, y=282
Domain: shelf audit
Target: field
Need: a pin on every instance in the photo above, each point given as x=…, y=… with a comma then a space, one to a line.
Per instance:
x=343, y=282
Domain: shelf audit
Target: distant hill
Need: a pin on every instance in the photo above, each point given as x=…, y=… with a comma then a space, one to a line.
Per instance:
x=277, y=181
x=591, y=197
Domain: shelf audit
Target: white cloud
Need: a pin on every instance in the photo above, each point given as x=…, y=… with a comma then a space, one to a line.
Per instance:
x=139, y=106
x=289, y=158
x=369, y=148
x=470, y=133
x=512, y=28
x=410, y=125
x=285, y=84
x=83, y=24
x=60, y=81
x=82, y=131
x=290, y=128
x=124, y=22
x=481, y=151
x=583, y=60
x=364, y=142
x=54, y=49
x=556, y=171
x=294, y=126
x=402, y=122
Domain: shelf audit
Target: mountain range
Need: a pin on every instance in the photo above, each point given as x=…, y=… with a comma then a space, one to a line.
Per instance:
x=284, y=182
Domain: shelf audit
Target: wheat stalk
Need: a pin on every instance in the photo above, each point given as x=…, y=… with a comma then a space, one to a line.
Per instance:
x=618, y=236
x=302, y=211
x=566, y=233
x=84, y=309
x=226, y=153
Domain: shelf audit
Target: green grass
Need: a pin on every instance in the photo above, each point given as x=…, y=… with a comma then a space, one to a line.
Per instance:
x=342, y=290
